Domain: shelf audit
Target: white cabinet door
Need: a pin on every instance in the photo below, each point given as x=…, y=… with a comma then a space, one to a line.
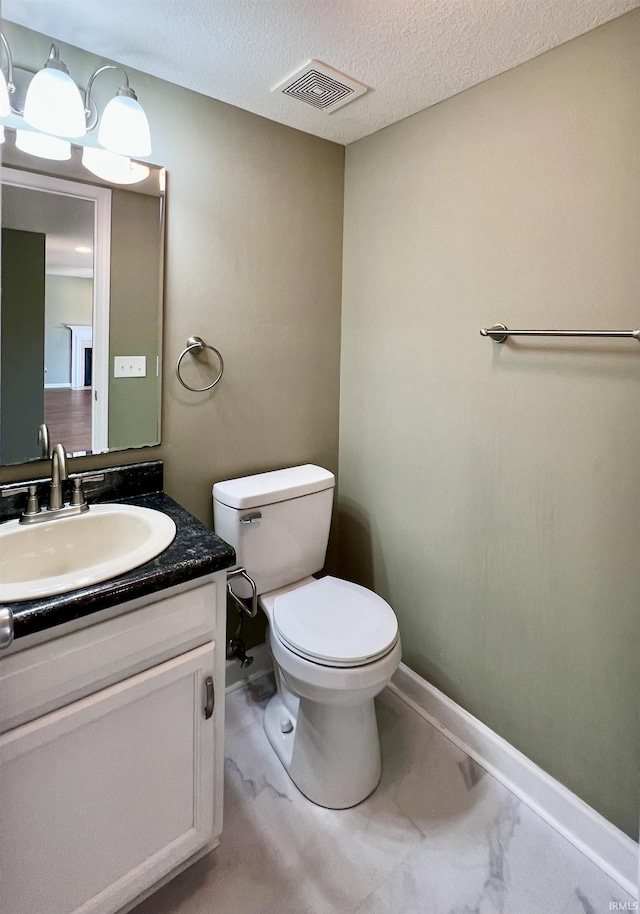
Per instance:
x=100, y=799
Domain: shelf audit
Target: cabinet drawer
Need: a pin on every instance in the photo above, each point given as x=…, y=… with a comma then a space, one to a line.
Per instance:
x=49, y=675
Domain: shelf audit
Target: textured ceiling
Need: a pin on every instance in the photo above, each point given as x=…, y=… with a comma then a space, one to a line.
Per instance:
x=411, y=53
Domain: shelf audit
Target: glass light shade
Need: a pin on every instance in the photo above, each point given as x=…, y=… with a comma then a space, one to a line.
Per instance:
x=124, y=127
x=1, y=134
x=54, y=104
x=5, y=107
x=113, y=167
x=43, y=146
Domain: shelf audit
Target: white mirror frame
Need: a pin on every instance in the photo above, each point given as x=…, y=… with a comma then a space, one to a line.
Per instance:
x=101, y=198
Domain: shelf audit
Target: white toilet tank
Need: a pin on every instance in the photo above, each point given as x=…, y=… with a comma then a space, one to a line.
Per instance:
x=277, y=522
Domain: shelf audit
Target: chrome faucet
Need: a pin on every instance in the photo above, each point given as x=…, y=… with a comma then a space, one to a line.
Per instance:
x=58, y=475
x=43, y=441
x=57, y=508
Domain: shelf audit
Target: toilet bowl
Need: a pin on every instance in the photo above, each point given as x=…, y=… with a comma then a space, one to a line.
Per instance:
x=321, y=721
x=335, y=644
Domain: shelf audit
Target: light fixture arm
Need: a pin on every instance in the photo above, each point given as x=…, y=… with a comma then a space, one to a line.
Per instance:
x=10, y=84
x=123, y=90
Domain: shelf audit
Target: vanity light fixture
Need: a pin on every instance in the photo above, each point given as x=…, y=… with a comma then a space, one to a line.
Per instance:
x=50, y=101
x=124, y=128
x=112, y=167
x=43, y=145
x=6, y=83
x=53, y=103
x=5, y=107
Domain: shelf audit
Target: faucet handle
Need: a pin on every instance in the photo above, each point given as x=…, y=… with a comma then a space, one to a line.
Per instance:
x=77, y=496
x=32, y=502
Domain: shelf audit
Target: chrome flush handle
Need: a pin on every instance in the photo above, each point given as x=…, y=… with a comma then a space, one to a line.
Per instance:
x=254, y=518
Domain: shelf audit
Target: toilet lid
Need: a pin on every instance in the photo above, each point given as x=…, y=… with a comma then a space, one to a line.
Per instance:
x=335, y=622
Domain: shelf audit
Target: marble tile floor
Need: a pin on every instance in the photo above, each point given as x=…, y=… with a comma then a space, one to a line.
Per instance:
x=439, y=836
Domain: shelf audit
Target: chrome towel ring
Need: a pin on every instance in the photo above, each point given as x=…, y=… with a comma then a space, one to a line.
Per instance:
x=197, y=344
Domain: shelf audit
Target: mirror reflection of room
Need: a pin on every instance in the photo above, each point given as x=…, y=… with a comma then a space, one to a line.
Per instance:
x=51, y=236
x=81, y=311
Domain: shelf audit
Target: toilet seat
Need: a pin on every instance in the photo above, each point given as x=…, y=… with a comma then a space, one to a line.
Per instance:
x=335, y=623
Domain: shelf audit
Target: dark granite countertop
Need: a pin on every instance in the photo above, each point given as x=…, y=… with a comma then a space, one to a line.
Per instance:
x=194, y=552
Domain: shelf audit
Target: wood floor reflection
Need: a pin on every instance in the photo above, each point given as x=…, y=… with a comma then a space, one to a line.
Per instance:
x=68, y=414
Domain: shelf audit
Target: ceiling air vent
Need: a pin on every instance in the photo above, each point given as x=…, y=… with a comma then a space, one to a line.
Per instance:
x=321, y=86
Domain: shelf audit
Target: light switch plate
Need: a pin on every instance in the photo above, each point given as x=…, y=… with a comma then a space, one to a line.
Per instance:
x=130, y=366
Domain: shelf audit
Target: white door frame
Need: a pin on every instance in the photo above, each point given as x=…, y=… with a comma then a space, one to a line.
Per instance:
x=101, y=199
x=81, y=340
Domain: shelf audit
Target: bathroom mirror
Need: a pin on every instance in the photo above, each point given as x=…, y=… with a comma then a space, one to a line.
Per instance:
x=81, y=307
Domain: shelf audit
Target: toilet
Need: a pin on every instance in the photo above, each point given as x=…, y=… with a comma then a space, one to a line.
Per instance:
x=335, y=644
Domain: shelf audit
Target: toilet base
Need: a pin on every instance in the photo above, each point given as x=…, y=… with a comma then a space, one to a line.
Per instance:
x=331, y=753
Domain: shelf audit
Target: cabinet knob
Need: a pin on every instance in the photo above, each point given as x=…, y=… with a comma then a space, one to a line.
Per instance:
x=6, y=627
x=210, y=697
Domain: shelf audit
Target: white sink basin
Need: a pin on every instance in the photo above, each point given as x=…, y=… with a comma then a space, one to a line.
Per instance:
x=72, y=552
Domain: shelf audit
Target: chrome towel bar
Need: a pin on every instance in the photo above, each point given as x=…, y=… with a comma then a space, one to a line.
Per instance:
x=499, y=333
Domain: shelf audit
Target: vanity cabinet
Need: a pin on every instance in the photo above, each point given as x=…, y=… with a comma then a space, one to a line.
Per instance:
x=105, y=796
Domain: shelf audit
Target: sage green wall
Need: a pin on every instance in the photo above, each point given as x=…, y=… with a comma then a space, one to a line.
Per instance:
x=490, y=492
x=67, y=300
x=134, y=327
x=253, y=264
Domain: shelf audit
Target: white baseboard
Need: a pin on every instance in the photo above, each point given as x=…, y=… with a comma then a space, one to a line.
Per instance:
x=262, y=664
x=53, y=386
x=604, y=844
